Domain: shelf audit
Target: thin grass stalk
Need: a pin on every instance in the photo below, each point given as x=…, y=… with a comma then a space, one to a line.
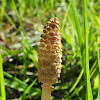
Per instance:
x=86, y=67
x=77, y=81
x=77, y=24
x=2, y=10
x=98, y=59
x=64, y=20
x=2, y=86
x=26, y=91
x=10, y=20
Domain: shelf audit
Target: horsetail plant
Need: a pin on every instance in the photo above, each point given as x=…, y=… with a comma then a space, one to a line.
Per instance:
x=49, y=60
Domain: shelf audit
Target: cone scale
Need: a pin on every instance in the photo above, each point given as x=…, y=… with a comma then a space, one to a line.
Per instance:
x=49, y=57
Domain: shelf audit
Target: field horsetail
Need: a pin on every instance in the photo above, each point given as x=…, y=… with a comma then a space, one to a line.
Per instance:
x=49, y=57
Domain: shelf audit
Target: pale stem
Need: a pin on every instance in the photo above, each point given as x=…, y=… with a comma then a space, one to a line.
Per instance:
x=46, y=91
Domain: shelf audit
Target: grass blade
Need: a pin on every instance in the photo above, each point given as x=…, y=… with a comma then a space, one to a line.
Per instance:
x=78, y=28
x=77, y=81
x=28, y=88
x=1, y=98
x=2, y=87
x=98, y=59
x=2, y=10
x=86, y=67
x=10, y=20
x=63, y=23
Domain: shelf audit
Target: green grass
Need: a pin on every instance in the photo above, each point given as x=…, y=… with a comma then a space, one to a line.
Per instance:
x=25, y=92
x=2, y=86
x=2, y=10
x=98, y=59
x=86, y=65
x=22, y=24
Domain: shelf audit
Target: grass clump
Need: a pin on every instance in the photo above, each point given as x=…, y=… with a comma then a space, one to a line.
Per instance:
x=20, y=30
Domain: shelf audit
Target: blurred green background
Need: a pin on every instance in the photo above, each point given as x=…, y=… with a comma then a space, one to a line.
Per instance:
x=21, y=24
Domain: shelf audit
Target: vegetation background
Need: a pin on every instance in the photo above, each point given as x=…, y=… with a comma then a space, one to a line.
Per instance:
x=21, y=24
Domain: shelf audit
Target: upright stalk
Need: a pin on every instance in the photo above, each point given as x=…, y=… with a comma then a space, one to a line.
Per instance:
x=2, y=87
x=46, y=91
x=98, y=58
x=86, y=67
